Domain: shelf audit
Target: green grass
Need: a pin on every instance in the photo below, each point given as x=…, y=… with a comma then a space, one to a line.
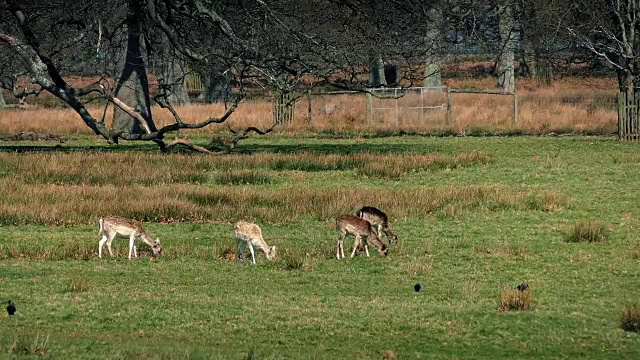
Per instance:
x=466, y=233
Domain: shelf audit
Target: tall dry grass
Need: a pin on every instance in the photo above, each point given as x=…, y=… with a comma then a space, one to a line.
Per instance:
x=52, y=204
x=155, y=169
x=571, y=104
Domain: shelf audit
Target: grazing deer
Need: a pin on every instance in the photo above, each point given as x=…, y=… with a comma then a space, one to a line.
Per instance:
x=378, y=218
x=111, y=226
x=250, y=233
x=358, y=227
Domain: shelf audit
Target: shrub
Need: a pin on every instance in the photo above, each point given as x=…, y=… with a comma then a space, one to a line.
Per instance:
x=630, y=318
x=589, y=231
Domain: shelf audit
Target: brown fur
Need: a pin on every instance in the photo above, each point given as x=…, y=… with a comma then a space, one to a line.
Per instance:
x=351, y=224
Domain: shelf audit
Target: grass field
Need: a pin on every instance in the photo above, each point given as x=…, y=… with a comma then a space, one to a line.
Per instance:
x=475, y=216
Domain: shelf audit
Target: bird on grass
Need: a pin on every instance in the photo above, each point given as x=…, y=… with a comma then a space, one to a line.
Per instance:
x=522, y=287
x=11, y=308
x=416, y=287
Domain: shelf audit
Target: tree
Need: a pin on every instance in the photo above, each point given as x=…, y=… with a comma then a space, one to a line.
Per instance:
x=506, y=70
x=285, y=46
x=610, y=29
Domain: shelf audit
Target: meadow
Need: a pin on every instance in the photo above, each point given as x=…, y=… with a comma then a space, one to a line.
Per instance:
x=475, y=217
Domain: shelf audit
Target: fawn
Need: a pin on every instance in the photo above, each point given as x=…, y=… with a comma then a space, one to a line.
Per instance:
x=358, y=227
x=251, y=234
x=111, y=226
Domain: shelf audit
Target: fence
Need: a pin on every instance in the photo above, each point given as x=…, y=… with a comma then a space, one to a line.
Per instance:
x=629, y=116
x=283, y=107
x=401, y=101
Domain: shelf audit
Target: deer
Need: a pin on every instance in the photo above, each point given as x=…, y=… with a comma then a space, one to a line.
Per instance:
x=250, y=234
x=359, y=227
x=112, y=226
x=378, y=218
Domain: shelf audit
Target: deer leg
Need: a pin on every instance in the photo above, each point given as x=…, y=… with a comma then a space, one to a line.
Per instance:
x=366, y=247
x=340, y=246
x=101, y=244
x=253, y=254
x=109, y=241
x=238, y=243
x=132, y=240
x=380, y=230
x=356, y=243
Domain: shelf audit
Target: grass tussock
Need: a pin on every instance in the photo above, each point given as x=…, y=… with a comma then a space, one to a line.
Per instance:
x=630, y=318
x=24, y=345
x=634, y=254
x=419, y=267
x=515, y=300
x=46, y=204
x=293, y=260
x=78, y=284
x=588, y=231
x=243, y=178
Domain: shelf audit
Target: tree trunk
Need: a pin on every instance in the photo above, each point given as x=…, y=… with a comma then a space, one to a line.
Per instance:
x=506, y=75
x=173, y=73
x=217, y=87
x=528, y=63
x=3, y=104
x=133, y=85
x=435, y=41
x=376, y=72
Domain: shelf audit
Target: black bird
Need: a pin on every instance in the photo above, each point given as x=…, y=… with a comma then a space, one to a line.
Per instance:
x=11, y=308
x=416, y=287
x=522, y=287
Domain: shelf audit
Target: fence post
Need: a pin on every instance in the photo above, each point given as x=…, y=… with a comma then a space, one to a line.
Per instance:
x=283, y=107
x=515, y=108
x=369, y=105
x=449, y=107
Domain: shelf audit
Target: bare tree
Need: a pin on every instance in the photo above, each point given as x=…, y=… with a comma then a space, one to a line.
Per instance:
x=610, y=29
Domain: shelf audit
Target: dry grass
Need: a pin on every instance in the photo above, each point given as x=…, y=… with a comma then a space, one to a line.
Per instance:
x=630, y=318
x=580, y=105
x=515, y=300
x=418, y=267
x=54, y=204
x=154, y=169
x=78, y=284
x=588, y=231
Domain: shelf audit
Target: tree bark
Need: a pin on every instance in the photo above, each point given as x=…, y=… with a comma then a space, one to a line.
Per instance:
x=506, y=74
x=174, y=71
x=217, y=87
x=133, y=85
x=376, y=72
x=433, y=61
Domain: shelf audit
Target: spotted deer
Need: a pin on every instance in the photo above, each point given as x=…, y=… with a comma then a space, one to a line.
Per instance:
x=250, y=234
x=378, y=218
x=351, y=224
x=112, y=226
